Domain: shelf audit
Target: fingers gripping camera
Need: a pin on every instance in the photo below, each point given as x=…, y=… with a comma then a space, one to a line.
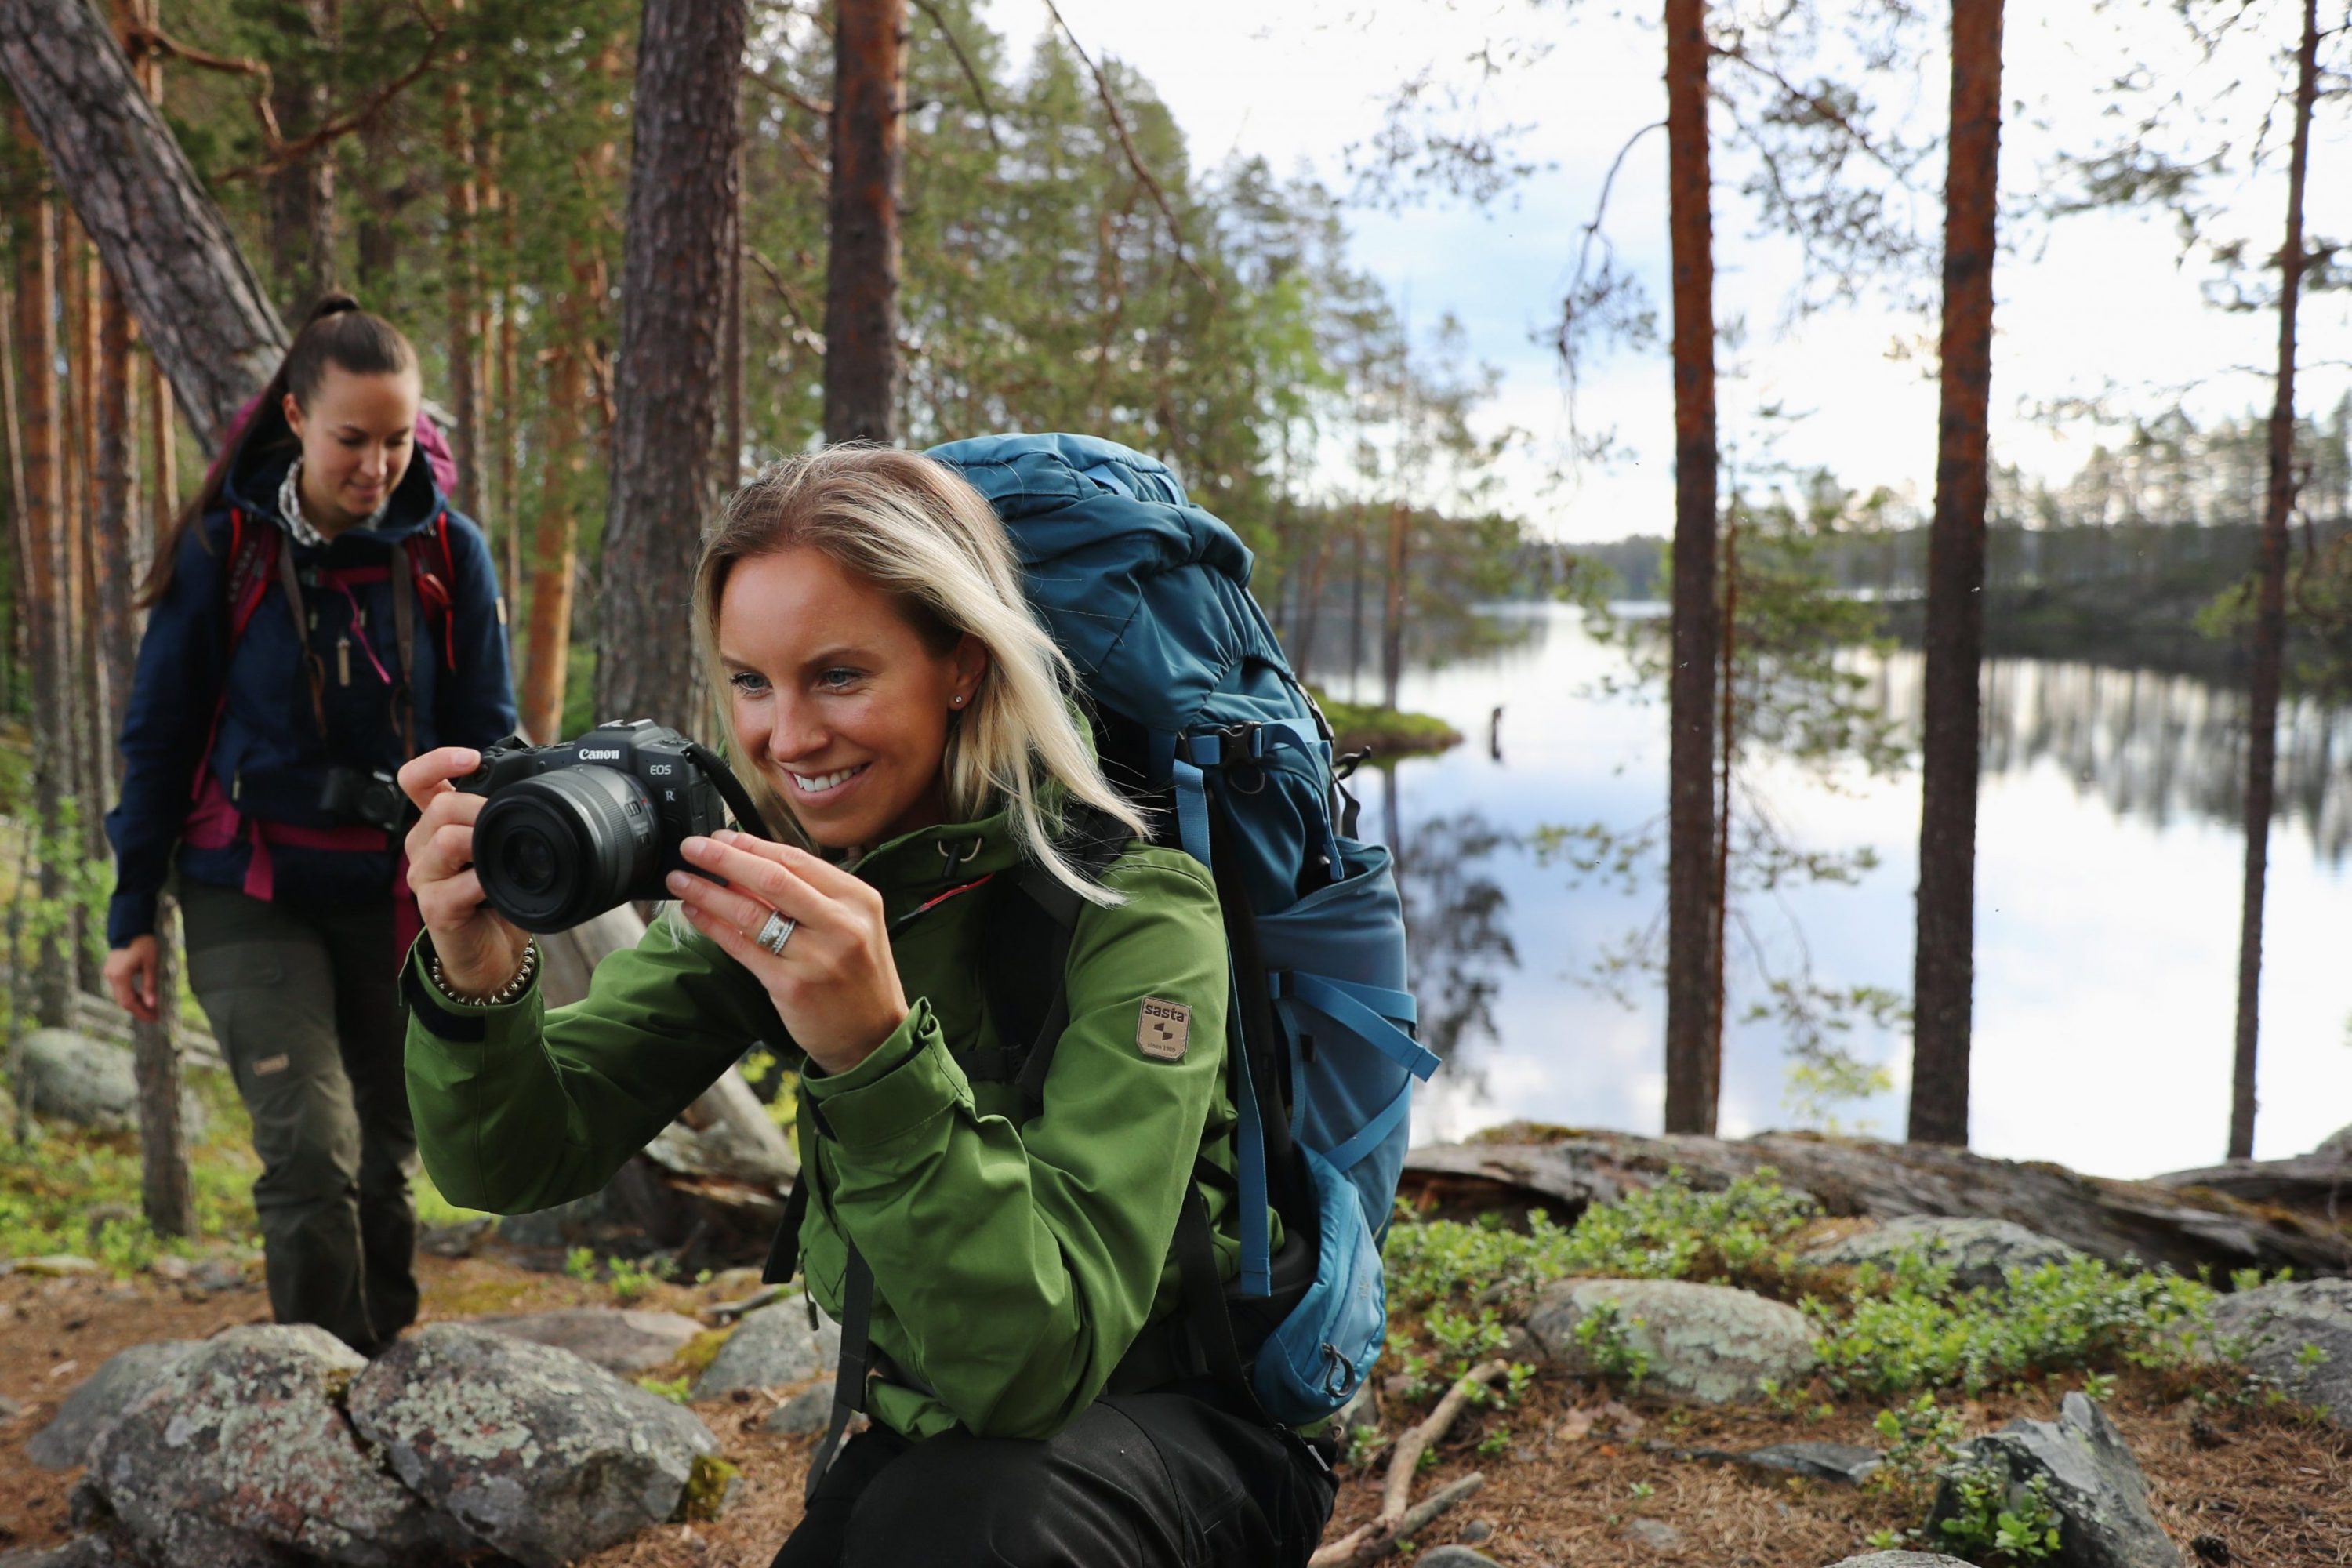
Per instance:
x=583, y=825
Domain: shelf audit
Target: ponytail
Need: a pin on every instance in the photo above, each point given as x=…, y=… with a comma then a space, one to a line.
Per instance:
x=336, y=332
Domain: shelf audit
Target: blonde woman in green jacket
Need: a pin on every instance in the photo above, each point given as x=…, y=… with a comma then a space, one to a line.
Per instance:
x=888, y=692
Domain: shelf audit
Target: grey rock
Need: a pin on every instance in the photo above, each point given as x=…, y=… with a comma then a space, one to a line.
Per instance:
x=92, y=1083
x=1709, y=1344
x=214, y=1274
x=1845, y=1462
x=2337, y=1145
x=1455, y=1557
x=238, y=1454
x=99, y=1550
x=1656, y=1534
x=1979, y=1251
x=531, y=1448
x=809, y=1411
x=1901, y=1559
x=460, y=1238
x=771, y=1348
x=624, y=1341
x=2095, y=1484
x=2280, y=1321
x=565, y=1225
x=1475, y=1530
x=99, y=1398
x=1360, y=1411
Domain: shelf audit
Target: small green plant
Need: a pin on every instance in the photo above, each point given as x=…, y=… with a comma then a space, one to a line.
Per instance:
x=669, y=1388
x=1921, y=1439
x=2099, y=1385
x=1997, y=1525
x=631, y=1282
x=1603, y=1332
x=1643, y=1491
x=1363, y=1442
x=1497, y=1440
x=580, y=1264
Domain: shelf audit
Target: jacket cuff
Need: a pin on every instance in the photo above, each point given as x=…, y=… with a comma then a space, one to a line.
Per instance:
x=906, y=1081
x=445, y=1016
x=129, y=915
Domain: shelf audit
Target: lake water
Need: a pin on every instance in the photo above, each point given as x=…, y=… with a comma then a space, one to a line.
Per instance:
x=2107, y=884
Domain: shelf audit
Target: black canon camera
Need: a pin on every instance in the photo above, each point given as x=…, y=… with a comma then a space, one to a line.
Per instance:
x=374, y=798
x=583, y=825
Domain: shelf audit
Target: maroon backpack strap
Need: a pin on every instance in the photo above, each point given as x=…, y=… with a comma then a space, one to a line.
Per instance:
x=434, y=568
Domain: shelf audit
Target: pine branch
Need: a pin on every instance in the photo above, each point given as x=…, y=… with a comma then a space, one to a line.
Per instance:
x=979, y=91
x=1134, y=159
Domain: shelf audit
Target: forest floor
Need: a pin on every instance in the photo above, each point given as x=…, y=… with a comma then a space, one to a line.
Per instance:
x=1572, y=1478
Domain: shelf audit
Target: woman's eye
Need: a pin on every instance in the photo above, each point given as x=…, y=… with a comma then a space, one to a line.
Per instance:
x=838, y=679
x=748, y=681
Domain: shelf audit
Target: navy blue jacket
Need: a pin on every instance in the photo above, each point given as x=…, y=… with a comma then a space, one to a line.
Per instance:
x=268, y=757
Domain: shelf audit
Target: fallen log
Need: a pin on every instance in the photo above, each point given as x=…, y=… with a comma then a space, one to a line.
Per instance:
x=2314, y=1184
x=2186, y=1227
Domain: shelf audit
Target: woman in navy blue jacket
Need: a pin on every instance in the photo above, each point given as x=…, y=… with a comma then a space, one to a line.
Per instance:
x=317, y=617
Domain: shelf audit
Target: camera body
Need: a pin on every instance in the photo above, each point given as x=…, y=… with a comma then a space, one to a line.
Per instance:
x=583, y=825
x=360, y=796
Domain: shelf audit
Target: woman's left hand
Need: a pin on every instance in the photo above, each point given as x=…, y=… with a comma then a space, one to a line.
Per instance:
x=835, y=986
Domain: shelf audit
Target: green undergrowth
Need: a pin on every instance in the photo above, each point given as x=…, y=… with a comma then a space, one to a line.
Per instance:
x=74, y=1191
x=1881, y=1333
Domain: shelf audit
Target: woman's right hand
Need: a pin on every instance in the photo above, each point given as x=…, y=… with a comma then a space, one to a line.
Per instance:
x=131, y=976
x=480, y=950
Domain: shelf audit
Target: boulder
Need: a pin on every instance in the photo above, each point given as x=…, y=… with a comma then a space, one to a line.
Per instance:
x=238, y=1454
x=623, y=1341
x=92, y=1083
x=82, y=1552
x=2095, y=1484
x=1455, y=1557
x=1711, y=1345
x=101, y=1397
x=582, y=1220
x=2280, y=1323
x=809, y=1411
x=1901, y=1559
x=2337, y=1145
x=531, y=1448
x=771, y=1348
x=1979, y=1251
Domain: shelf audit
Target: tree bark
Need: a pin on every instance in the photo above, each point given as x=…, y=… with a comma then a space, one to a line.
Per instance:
x=463, y=195
x=160, y=233
x=553, y=553
x=1944, y=957
x=1690, y=786
x=2270, y=611
x=861, y=294
x=166, y=1192
x=301, y=197
x=665, y=483
x=118, y=528
x=1392, y=603
x=42, y=537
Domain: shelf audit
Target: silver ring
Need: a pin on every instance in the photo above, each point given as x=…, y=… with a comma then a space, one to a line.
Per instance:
x=775, y=933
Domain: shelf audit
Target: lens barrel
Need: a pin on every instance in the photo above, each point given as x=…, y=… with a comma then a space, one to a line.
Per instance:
x=565, y=846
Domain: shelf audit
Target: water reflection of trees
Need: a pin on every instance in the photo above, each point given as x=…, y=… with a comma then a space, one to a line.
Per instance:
x=1457, y=924
x=2150, y=745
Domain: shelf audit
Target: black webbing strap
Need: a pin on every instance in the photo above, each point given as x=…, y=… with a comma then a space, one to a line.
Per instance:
x=403, y=634
x=314, y=668
x=784, y=1251
x=849, y=1376
x=1204, y=1300
x=1269, y=1066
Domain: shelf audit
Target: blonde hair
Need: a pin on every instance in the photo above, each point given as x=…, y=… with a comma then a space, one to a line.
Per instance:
x=915, y=528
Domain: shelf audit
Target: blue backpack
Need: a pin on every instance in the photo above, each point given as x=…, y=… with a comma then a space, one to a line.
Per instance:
x=1198, y=712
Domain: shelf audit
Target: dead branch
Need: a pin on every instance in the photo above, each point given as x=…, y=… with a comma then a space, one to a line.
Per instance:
x=802, y=333
x=282, y=153
x=775, y=88
x=980, y=92
x=1134, y=159
x=1369, y=1543
x=1417, y=1440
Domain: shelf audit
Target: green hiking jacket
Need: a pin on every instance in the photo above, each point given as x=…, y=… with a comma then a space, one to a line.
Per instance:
x=1013, y=1263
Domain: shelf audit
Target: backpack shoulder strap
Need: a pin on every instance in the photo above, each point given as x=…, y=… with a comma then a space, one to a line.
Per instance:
x=433, y=566
x=252, y=556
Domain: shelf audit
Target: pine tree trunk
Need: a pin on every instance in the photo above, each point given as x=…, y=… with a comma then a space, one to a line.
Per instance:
x=861, y=294
x=160, y=233
x=42, y=573
x=553, y=545
x=665, y=483
x=463, y=195
x=1392, y=603
x=118, y=525
x=2270, y=611
x=1944, y=960
x=1692, y=959
x=301, y=197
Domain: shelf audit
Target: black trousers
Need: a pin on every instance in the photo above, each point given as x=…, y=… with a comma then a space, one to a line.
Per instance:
x=305, y=1002
x=1144, y=1480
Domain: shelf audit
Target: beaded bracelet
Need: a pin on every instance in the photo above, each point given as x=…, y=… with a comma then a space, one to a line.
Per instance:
x=504, y=994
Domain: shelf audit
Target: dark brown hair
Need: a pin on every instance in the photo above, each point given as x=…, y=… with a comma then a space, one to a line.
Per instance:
x=336, y=332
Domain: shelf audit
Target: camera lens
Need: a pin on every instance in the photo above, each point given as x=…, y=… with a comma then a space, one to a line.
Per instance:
x=562, y=846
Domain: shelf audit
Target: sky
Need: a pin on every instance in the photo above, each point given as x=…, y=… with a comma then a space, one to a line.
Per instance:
x=2085, y=306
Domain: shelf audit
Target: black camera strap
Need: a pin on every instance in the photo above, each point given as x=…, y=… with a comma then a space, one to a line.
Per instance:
x=403, y=632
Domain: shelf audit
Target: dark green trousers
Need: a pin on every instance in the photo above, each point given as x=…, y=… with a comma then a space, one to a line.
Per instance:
x=304, y=1000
